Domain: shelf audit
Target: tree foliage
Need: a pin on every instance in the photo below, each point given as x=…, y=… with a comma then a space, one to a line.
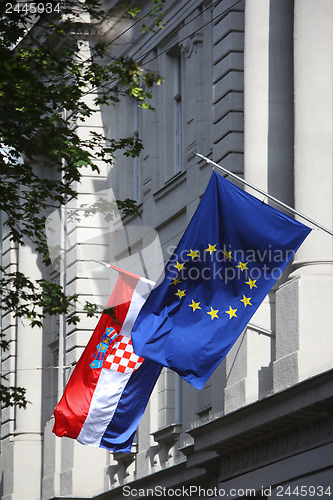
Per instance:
x=45, y=76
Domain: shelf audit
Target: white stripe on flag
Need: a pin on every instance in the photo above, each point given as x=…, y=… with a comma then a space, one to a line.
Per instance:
x=111, y=384
x=139, y=297
x=108, y=391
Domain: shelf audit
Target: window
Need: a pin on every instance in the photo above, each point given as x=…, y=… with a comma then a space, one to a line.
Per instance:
x=170, y=107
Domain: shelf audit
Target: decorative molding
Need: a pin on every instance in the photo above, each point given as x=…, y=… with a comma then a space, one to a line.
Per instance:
x=167, y=438
x=119, y=472
x=285, y=424
x=190, y=151
x=277, y=446
x=168, y=434
x=124, y=458
x=191, y=44
x=147, y=185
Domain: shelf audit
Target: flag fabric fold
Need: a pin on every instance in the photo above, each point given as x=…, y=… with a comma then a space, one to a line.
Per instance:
x=230, y=256
x=110, y=386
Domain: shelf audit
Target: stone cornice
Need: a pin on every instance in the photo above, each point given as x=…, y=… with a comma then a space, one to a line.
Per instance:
x=283, y=424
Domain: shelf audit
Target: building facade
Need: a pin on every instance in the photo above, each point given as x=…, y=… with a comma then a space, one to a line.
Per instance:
x=248, y=84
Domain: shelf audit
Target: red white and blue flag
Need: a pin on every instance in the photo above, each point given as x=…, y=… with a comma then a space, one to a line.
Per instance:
x=110, y=386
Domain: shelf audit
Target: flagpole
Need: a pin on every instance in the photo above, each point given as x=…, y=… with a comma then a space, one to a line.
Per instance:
x=278, y=202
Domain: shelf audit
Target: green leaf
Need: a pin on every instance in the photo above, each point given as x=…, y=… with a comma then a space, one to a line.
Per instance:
x=44, y=79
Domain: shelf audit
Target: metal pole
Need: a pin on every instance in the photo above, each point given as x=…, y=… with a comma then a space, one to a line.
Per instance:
x=63, y=318
x=270, y=197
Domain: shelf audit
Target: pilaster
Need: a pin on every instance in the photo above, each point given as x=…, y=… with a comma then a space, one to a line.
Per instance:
x=23, y=450
x=304, y=335
x=268, y=161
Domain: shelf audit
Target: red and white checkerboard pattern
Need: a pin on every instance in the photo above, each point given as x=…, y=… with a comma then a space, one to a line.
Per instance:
x=121, y=357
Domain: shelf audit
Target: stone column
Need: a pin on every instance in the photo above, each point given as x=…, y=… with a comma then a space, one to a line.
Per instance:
x=256, y=87
x=268, y=164
x=27, y=435
x=256, y=51
x=305, y=341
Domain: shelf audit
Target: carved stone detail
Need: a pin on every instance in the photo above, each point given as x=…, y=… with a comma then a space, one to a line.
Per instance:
x=119, y=472
x=167, y=437
x=190, y=45
x=147, y=184
x=283, y=444
x=191, y=150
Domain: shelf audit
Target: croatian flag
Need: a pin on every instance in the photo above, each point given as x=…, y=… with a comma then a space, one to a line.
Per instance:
x=110, y=386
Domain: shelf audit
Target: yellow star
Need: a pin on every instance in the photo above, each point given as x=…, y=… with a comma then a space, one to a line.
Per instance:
x=180, y=293
x=243, y=266
x=193, y=253
x=251, y=283
x=227, y=254
x=179, y=266
x=213, y=313
x=175, y=281
x=194, y=305
x=246, y=301
x=231, y=312
x=211, y=248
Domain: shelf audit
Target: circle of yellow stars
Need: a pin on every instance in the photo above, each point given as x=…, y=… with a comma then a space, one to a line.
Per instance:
x=214, y=313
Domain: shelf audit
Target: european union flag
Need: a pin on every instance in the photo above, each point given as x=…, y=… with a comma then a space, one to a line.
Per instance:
x=230, y=256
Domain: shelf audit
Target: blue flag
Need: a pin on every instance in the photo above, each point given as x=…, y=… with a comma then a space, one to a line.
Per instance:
x=230, y=256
